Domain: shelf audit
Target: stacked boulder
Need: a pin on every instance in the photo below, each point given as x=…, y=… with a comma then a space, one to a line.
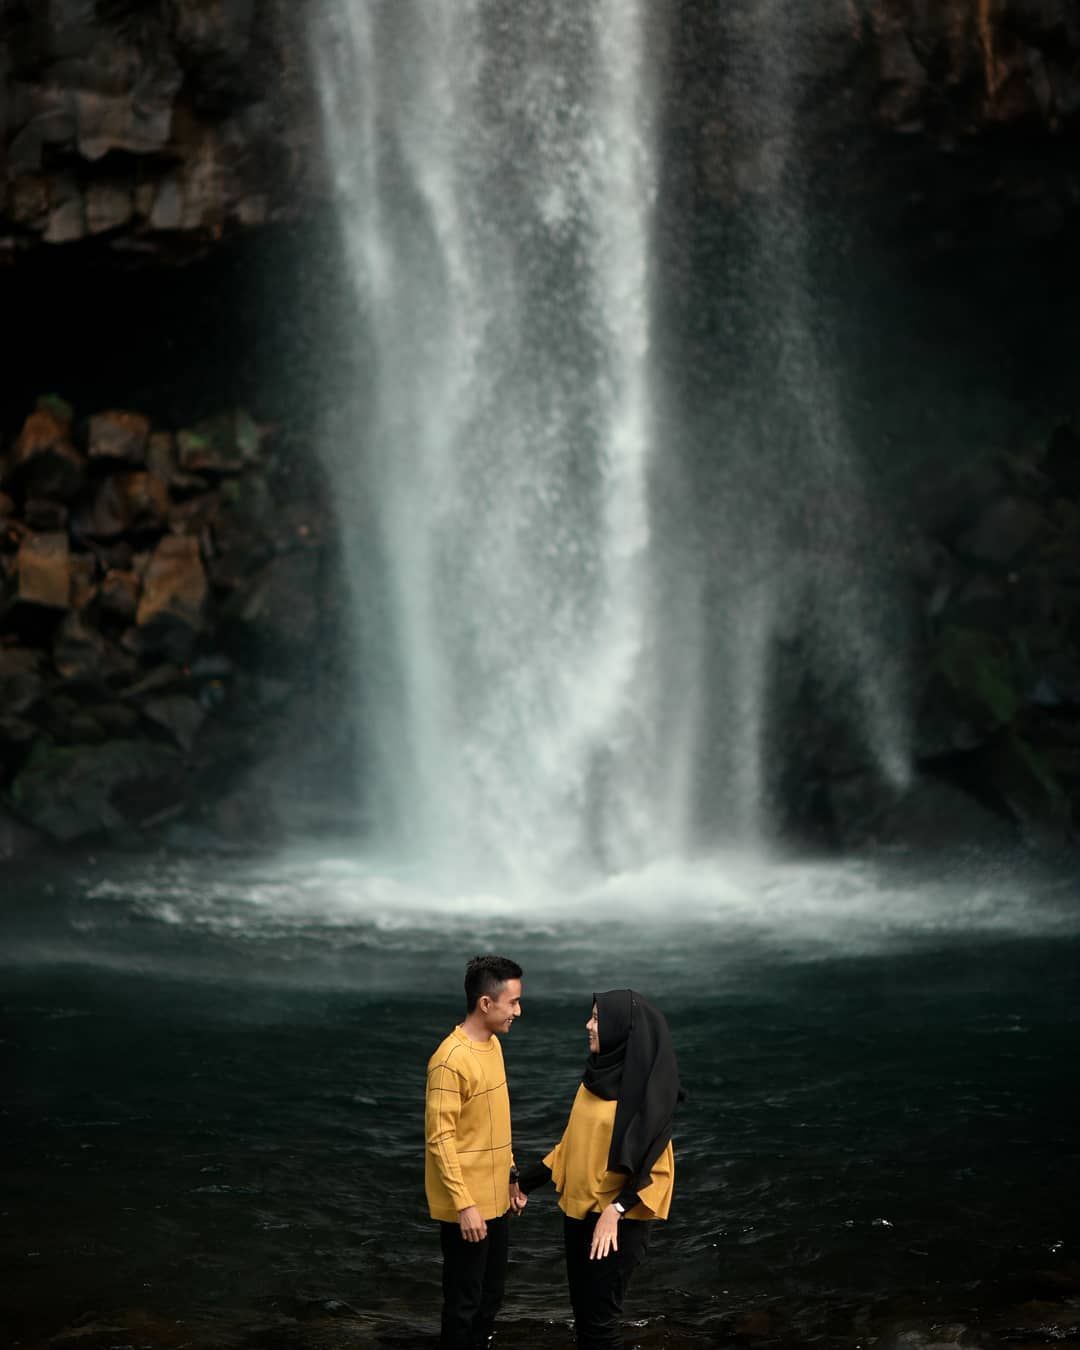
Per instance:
x=999, y=582
x=156, y=611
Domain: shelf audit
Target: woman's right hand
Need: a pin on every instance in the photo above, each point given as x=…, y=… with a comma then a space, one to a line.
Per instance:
x=605, y=1236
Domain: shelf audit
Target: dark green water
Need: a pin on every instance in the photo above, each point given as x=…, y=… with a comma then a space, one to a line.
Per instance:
x=213, y=1103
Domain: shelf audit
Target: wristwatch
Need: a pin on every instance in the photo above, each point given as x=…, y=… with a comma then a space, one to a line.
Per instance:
x=621, y=1209
x=513, y=1176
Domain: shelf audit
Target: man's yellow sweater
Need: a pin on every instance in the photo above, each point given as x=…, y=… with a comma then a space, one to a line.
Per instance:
x=467, y=1125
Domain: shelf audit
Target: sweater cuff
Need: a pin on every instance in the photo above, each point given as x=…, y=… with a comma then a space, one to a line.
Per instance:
x=629, y=1199
x=532, y=1176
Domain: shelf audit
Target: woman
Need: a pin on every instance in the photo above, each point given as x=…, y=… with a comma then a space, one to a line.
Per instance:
x=614, y=1167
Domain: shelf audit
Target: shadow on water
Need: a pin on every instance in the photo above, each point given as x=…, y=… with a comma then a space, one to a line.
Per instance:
x=879, y=1140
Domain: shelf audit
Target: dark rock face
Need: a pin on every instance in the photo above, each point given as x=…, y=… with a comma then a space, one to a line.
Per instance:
x=998, y=713
x=159, y=126
x=156, y=580
x=959, y=117
x=138, y=122
x=161, y=657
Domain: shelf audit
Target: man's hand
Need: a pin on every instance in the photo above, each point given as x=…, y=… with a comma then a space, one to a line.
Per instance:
x=473, y=1227
x=605, y=1236
x=518, y=1198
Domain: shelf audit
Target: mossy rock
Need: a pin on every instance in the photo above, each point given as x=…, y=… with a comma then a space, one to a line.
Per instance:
x=1027, y=784
x=60, y=408
x=224, y=444
x=979, y=669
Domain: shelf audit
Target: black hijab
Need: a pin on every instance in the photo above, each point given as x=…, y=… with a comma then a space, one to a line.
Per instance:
x=635, y=1066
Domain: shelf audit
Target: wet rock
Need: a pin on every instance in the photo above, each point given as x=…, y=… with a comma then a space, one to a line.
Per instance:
x=220, y=445
x=170, y=611
x=84, y=572
x=109, y=206
x=1030, y=789
x=57, y=406
x=180, y=716
x=7, y=506
x=978, y=667
x=161, y=455
x=212, y=666
x=118, y=435
x=118, y=595
x=249, y=501
x=125, y=503
x=79, y=651
x=194, y=515
x=936, y=814
x=42, y=514
x=953, y=503
x=44, y=462
x=1003, y=532
x=163, y=677
x=42, y=573
x=78, y=792
x=16, y=839
x=1062, y=462
x=66, y=218
x=136, y=121
x=22, y=683
x=83, y=728
x=117, y=719
x=276, y=615
x=987, y=603
x=16, y=732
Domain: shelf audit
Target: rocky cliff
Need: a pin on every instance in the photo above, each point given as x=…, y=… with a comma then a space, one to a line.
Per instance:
x=169, y=637
x=151, y=124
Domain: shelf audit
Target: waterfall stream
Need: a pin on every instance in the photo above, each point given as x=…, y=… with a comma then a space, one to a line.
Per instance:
x=531, y=624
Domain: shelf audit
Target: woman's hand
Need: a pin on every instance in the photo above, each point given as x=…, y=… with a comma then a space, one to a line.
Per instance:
x=518, y=1198
x=605, y=1236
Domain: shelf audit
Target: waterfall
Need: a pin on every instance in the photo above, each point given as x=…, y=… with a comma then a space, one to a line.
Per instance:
x=529, y=563
x=496, y=169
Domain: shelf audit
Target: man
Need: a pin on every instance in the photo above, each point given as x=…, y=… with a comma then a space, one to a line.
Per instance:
x=469, y=1172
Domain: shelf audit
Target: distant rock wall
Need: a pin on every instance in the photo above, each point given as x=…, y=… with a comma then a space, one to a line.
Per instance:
x=999, y=586
x=158, y=126
x=167, y=631
x=150, y=124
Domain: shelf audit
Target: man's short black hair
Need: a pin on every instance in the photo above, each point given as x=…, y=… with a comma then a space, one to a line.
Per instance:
x=487, y=975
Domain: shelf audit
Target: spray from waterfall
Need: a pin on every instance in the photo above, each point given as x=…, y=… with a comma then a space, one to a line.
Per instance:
x=497, y=176
x=561, y=680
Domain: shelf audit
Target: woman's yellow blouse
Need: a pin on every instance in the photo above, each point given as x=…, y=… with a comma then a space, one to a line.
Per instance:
x=579, y=1167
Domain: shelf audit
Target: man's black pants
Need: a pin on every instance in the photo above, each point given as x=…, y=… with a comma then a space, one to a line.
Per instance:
x=597, y=1288
x=473, y=1280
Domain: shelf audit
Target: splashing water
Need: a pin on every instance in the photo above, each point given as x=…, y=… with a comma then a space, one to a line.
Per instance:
x=530, y=629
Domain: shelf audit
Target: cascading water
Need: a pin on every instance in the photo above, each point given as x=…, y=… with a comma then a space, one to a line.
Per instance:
x=800, y=558
x=497, y=177
x=530, y=622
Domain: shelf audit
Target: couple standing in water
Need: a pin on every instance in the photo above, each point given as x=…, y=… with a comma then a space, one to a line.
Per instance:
x=613, y=1168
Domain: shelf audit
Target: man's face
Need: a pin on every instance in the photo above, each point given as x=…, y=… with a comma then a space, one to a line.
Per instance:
x=501, y=1010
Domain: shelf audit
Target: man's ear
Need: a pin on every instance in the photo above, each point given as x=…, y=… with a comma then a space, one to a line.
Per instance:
x=483, y=1003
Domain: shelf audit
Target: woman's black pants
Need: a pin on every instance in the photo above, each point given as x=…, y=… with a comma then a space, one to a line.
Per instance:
x=597, y=1288
x=473, y=1279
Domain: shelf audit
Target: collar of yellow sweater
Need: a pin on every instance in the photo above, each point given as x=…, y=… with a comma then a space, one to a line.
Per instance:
x=481, y=1047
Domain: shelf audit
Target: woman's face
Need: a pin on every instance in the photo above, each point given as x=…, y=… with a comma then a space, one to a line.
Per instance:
x=592, y=1026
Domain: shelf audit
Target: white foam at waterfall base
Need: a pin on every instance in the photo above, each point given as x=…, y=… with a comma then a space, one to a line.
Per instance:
x=842, y=907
